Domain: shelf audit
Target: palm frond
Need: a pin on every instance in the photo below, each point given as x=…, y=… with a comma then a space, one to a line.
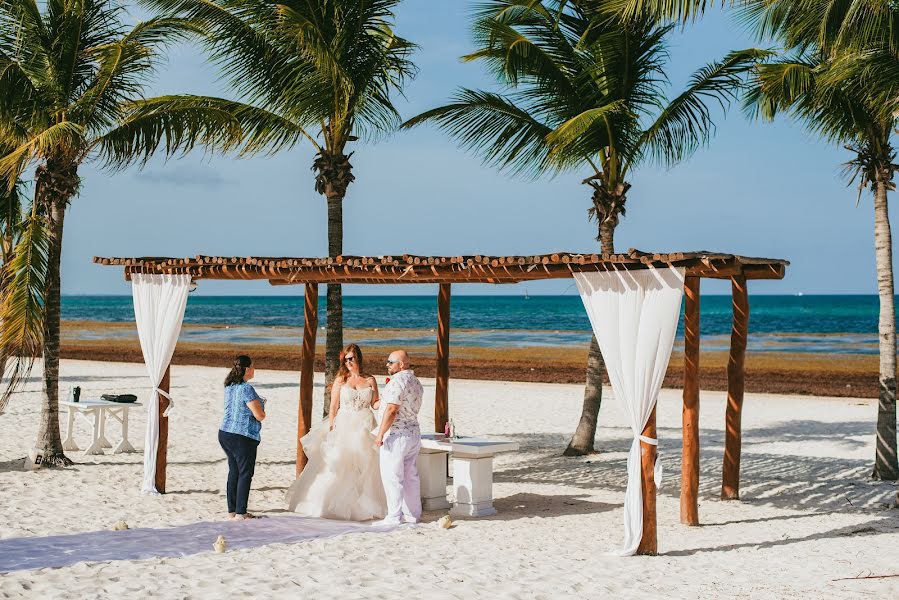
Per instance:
x=22, y=303
x=338, y=63
x=582, y=134
x=686, y=124
x=64, y=138
x=123, y=68
x=669, y=10
x=179, y=123
x=489, y=124
x=872, y=74
x=777, y=85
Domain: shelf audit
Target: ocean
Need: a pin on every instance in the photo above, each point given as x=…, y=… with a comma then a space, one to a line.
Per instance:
x=816, y=324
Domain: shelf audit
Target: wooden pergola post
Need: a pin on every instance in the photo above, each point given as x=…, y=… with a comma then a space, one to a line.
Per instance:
x=304, y=412
x=689, y=487
x=441, y=399
x=649, y=542
x=162, y=446
x=730, y=480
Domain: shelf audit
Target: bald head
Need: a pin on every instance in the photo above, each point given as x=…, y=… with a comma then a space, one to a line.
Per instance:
x=398, y=361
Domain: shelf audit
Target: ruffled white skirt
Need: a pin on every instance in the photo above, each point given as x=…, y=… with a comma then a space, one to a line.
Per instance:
x=342, y=479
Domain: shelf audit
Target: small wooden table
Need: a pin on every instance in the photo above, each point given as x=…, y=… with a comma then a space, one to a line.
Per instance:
x=96, y=412
x=472, y=473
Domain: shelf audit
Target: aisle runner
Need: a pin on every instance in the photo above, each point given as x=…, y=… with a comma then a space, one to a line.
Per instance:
x=17, y=554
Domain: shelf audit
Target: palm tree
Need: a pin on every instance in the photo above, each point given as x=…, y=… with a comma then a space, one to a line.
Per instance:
x=840, y=77
x=848, y=98
x=327, y=71
x=586, y=92
x=72, y=77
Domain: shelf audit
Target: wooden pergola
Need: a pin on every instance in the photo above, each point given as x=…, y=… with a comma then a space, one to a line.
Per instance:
x=446, y=270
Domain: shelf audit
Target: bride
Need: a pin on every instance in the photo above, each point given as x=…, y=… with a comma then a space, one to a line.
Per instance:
x=342, y=479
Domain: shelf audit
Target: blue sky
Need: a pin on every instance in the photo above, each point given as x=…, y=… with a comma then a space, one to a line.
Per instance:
x=759, y=189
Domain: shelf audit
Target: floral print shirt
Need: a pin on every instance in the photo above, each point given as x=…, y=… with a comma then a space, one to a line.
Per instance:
x=405, y=390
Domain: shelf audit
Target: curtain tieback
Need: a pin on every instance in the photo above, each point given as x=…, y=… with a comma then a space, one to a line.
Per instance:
x=657, y=471
x=168, y=408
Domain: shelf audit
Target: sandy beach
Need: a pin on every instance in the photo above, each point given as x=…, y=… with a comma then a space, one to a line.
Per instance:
x=811, y=522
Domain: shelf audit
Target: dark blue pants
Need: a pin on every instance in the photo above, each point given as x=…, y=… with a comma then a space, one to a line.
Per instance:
x=241, y=453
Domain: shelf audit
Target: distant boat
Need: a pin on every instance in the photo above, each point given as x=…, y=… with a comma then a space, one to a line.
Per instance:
x=526, y=297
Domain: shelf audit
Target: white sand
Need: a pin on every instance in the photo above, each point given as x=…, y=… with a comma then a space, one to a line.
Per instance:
x=810, y=513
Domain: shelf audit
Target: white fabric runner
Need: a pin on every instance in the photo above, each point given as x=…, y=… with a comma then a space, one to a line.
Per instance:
x=634, y=316
x=159, y=303
x=42, y=552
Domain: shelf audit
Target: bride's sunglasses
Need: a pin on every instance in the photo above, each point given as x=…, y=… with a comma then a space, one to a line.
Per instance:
x=349, y=358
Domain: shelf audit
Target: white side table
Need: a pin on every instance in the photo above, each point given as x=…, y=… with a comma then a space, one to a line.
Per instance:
x=432, y=472
x=472, y=472
x=96, y=412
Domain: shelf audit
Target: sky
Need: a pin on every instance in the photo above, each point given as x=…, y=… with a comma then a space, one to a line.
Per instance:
x=759, y=189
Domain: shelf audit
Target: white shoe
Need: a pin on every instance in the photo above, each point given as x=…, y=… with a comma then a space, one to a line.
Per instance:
x=411, y=520
x=386, y=523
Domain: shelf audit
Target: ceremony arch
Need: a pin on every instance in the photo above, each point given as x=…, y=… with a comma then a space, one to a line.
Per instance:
x=446, y=270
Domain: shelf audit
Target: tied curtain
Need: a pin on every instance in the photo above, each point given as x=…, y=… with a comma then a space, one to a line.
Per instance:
x=634, y=316
x=159, y=303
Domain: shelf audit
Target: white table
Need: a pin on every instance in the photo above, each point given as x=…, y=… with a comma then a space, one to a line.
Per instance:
x=472, y=473
x=96, y=412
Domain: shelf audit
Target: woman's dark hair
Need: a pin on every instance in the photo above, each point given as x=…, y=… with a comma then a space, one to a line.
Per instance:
x=239, y=370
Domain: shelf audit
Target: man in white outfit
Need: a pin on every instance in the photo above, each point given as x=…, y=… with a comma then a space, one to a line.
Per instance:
x=400, y=440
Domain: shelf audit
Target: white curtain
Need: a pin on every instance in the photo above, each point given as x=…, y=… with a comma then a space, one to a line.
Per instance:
x=634, y=316
x=159, y=303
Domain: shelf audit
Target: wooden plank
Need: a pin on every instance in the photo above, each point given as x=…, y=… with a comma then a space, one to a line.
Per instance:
x=304, y=413
x=162, y=446
x=649, y=542
x=730, y=479
x=441, y=402
x=765, y=271
x=689, y=491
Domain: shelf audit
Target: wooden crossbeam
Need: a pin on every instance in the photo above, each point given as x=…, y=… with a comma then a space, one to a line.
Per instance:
x=444, y=269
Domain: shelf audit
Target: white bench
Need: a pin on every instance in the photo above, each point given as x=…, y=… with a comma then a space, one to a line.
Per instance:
x=472, y=473
x=96, y=412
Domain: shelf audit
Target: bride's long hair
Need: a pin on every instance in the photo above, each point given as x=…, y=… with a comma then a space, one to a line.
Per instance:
x=343, y=372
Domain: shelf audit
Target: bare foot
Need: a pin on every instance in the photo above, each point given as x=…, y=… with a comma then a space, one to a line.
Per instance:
x=231, y=515
x=243, y=517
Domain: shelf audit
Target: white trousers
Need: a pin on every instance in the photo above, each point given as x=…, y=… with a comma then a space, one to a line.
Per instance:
x=399, y=473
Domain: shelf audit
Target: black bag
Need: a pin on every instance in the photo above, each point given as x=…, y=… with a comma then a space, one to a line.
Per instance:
x=123, y=398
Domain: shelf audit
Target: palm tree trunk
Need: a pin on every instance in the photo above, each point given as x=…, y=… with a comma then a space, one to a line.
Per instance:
x=334, y=331
x=49, y=440
x=581, y=442
x=334, y=175
x=607, y=236
x=885, y=461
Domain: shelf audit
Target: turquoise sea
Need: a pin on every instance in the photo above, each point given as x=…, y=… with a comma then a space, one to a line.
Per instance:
x=817, y=324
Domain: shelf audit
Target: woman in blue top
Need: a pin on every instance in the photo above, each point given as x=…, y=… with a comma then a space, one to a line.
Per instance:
x=239, y=434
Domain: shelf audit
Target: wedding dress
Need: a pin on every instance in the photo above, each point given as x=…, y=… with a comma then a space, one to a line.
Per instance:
x=342, y=479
